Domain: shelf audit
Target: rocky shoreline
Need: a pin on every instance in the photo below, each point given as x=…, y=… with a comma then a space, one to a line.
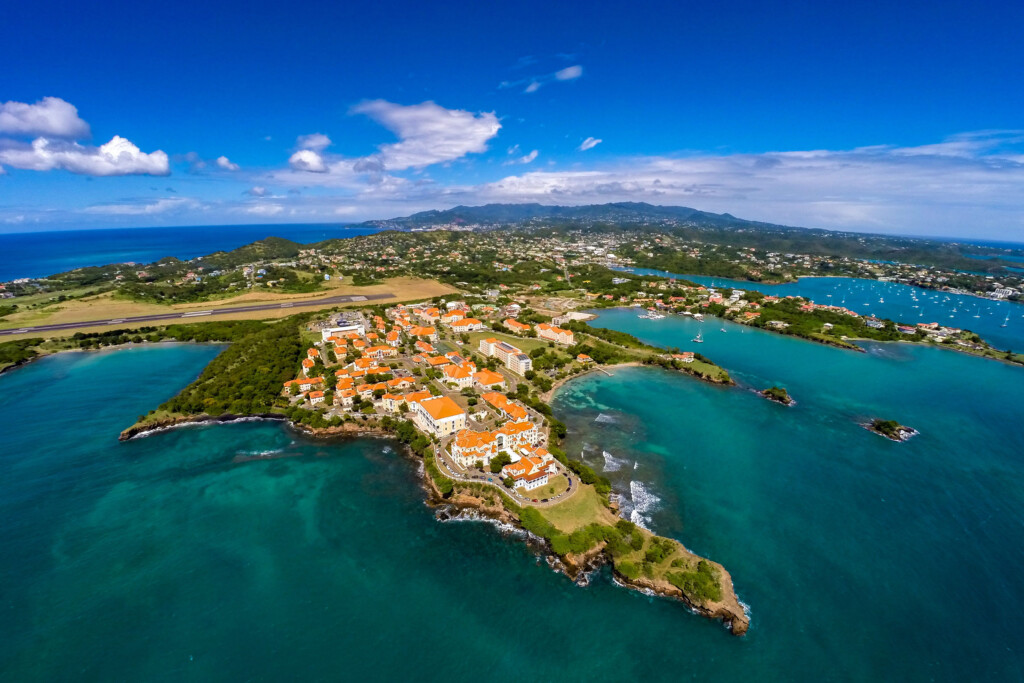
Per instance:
x=466, y=504
x=728, y=610
x=891, y=430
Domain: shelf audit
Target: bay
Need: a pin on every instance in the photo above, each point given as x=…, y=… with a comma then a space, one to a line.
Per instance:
x=892, y=300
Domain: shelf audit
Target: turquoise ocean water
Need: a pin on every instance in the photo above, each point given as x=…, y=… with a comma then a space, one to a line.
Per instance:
x=893, y=300
x=172, y=558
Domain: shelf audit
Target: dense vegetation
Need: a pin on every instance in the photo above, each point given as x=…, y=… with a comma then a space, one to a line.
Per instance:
x=19, y=351
x=247, y=377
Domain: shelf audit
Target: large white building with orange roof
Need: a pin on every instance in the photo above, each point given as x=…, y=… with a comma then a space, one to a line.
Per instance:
x=555, y=334
x=467, y=325
x=439, y=415
x=470, y=446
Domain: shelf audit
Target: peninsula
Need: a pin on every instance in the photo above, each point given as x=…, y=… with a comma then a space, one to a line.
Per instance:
x=452, y=338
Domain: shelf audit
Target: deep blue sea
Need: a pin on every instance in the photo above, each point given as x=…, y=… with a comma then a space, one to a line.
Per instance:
x=38, y=254
x=893, y=300
x=171, y=558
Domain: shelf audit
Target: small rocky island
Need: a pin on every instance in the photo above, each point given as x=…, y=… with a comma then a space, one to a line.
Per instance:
x=779, y=395
x=890, y=429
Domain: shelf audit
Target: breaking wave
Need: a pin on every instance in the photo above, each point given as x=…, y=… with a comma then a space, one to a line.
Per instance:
x=642, y=503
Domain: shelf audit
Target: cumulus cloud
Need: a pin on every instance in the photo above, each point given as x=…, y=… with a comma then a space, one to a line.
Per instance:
x=226, y=164
x=117, y=157
x=307, y=160
x=256, y=191
x=428, y=133
x=50, y=116
x=589, y=143
x=315, y=141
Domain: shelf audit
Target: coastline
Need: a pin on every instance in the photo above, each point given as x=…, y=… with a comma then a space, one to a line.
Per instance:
x=492, y=506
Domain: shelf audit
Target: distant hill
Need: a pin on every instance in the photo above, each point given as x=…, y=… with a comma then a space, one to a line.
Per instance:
x=618, y=212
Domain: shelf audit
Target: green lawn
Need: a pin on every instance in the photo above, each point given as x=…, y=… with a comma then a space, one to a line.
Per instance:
x=525, y=343
x=584, y=507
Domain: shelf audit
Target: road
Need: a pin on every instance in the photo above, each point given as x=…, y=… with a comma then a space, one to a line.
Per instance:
x=189, y=315
x=449, y=471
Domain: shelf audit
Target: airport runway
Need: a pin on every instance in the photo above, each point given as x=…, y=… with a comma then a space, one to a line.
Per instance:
x=178, y=315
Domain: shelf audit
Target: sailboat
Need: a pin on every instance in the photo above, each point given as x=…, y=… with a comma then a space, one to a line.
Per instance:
x=1006, y=321
x=699, y=339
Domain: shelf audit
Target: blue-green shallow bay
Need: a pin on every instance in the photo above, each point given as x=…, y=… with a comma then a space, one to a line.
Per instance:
x=164, y=559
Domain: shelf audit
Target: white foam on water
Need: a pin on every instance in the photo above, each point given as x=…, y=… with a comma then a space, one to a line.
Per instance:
x=611, y=464
x=643, y=503
x=604, y=418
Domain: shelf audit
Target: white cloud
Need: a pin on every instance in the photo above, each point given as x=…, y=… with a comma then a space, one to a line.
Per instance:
x=307, y=160
x=50, y=116
x=315, y=141
x=525, y=159
x=428, y=133
x=257, y=191
x=569, y=73
x=589, y=143
x=534, y=83
x=117, y=157
x=264, y=209
x=143, y=209
x=226, y=164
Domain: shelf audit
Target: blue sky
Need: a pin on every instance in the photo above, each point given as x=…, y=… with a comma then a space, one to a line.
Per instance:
x=885, y=117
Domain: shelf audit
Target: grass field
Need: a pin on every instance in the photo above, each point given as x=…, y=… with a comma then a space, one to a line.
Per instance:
x=584, y=507
x=525, y=343
x=106, y=307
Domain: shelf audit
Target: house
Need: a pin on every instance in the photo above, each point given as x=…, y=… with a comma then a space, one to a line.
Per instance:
x=307, y=365
x=393, y=338
x=345, y=397
x=437, y=361
x=428, y=332
x=439, y=415
x=452, y=317
x=509, y=409
x=313, y=354
x=555, y=334
x=380, y=352
x=584, y=359
x=516, y=326
x=424, y=347
x=469, y=446
x=528, y=473
x=459, y=375
x=467, y=325
x=685, y=356
x=490, y=380
x=393, y=402
x=316, y=397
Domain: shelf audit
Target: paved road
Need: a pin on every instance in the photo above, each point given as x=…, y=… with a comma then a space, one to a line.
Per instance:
x=188, y=315
x=450, y=472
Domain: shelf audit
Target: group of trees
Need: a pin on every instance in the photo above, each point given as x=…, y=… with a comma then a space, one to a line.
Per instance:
x=246, y=378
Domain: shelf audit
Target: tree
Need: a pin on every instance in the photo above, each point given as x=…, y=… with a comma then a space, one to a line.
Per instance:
x=509, y=482
x=500, y=461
